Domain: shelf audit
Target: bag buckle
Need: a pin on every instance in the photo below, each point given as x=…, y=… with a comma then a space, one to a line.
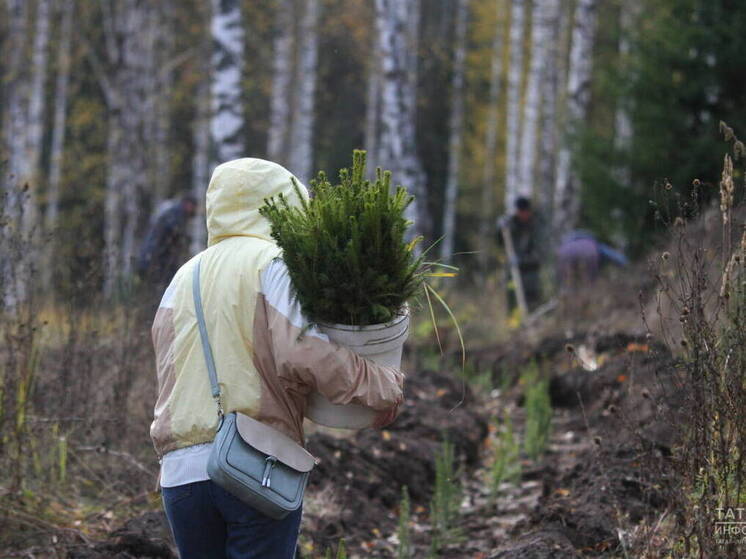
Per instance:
x=269, y=463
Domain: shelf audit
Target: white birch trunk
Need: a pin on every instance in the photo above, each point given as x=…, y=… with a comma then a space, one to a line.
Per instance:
x=14, y=130
x=622, y=121
x=301, y=139
x=549, y=99
x=373, y=107
x=515, y=73
x=419, y=210
x=31, y=174
x=567, y=185
x=227, y=122
x=455, y=125
x=140, y=57
x=24, y=126
x=15, y=102
x=201, y=167
x=397, y=150
x=162, y=79
x=487, y=231
x=112, y=213
x=58, y=139
x=542, y=19
x=282, y=76
x=129, y=27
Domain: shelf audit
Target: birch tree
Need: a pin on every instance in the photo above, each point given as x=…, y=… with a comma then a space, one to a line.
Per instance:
x=15, y=84
x=396, y=28
x=24, y=134
x=290, y=138
x=373, y=105
x=227, y=123
x=549, y=100
x=31, y=167
x=282, y=77
x=300, y=160
x=543, y=18
x=15, y=92
x=628, y=12
x=56, y=150
x=161, y=83
x=201, y=167
x=515, y=73
x=455, y=133
x=128, y=26
x=490, y=143
x=567, y=184
x=24, y=114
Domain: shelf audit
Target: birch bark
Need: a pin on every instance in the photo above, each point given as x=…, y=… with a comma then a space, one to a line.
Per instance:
x=396, y=23
x=542, y=19
x=24, y=134
x=201, y=167
x=280, y=113
x=227, y=122
x=128, y=26
x=622, y=121
x=16, y=94
x=15, y=82
x=515, y=73
x=567, y=185
x=162, y=82
x=373, y=107
x=549, y=100
x=301, y=138
x=56, y=150
x=487, y=231
x=455, y=125
x=31, y=166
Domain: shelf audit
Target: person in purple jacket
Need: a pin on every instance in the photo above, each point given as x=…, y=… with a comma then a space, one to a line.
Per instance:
x=580, y=257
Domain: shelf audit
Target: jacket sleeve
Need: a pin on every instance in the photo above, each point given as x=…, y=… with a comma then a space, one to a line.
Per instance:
x=303, y=355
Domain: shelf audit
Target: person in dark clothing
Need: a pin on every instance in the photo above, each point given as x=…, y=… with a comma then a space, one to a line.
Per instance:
x=165, y=246
x=524, y=228
x=579, y=258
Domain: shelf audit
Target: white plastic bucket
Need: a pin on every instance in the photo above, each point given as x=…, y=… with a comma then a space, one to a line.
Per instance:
x=382, y=344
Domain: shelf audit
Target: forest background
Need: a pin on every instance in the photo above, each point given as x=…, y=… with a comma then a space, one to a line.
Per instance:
x=109, y=108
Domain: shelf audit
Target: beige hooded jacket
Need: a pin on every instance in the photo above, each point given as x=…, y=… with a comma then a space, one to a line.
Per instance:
x=265, y=367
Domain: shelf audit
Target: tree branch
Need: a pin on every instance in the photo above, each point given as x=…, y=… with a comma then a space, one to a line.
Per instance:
x=98, y=70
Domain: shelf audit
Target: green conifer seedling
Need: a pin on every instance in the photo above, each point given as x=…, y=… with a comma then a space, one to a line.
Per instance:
x=346, y=248
x=403, y=533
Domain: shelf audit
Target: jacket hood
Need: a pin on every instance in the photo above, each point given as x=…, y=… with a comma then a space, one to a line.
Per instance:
x=238, y=189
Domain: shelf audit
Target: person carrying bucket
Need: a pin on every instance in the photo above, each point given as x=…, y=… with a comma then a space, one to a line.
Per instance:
x=268, y=357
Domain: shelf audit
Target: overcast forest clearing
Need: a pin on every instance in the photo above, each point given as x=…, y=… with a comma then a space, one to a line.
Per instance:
x=576, y=356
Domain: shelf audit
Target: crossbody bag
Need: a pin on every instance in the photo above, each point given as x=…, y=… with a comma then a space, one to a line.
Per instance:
x=256, y=463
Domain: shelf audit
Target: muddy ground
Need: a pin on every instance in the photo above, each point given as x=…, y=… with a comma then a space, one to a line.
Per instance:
x=599, y=491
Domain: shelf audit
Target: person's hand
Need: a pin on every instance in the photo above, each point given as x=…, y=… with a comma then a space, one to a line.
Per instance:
x=386, y=417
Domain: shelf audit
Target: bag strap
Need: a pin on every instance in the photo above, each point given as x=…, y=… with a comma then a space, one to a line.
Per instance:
x=207, y=350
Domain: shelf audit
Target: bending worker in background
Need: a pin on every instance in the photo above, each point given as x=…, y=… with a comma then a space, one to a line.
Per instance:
x=580, y=257
x=268, y=357
x=166, y=245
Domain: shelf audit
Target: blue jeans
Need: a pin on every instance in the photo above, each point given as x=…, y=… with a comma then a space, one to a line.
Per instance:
x=207, y=522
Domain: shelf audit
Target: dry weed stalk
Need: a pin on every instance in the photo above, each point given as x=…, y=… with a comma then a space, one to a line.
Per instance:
x=711, y=310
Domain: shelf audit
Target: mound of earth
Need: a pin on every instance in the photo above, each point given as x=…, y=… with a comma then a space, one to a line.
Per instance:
x=355, y=490
x=360, y=479
x=142, y=537
x=617, y=425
